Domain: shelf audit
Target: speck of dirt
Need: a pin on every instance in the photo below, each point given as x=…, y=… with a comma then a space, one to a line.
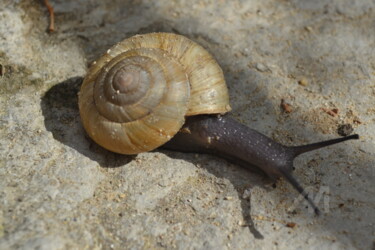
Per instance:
x=345, y=129
x=15, y=77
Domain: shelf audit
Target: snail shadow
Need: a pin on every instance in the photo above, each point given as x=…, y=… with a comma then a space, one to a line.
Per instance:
x=242, y=180
x=61, y=118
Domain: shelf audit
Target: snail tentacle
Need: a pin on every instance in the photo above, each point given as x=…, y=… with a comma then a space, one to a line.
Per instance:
x=224, y=136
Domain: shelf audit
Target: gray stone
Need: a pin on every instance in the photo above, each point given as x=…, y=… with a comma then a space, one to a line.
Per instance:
x=59, y=190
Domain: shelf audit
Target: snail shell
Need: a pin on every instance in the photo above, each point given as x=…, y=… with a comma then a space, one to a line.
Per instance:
x=136, y=96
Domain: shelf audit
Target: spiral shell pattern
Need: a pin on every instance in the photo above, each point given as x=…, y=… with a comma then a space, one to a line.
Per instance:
x=135, y=97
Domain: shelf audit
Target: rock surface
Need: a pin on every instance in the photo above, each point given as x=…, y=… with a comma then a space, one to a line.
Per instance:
x=59, y=190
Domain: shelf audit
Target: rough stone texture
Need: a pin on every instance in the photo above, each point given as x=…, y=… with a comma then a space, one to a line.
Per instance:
x=59, y=190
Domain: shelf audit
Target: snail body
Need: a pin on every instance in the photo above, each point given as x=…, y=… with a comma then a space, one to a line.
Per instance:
x=163, y=89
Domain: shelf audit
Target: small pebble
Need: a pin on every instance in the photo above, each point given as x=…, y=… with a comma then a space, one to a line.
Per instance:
x=291, y=224
x=345, y=129
x=261, y=67
x=303, y=82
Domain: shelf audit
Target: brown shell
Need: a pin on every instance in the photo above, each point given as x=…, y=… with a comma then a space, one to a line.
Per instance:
x=135, y=97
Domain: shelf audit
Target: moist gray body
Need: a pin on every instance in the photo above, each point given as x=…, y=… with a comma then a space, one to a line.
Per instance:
x=229, y=139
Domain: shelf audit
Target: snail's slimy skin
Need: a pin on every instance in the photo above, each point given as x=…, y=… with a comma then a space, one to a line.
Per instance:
x=227, y=138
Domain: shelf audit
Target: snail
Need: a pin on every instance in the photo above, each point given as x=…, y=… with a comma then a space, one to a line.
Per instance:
x=163, y=89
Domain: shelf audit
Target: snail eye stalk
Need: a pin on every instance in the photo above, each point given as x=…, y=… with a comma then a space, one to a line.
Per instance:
x=237, y=143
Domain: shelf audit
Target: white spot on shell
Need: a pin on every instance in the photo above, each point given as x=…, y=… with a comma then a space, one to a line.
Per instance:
x=108, y=51
x=152, y=119
x=209, y=140
x=213, y=94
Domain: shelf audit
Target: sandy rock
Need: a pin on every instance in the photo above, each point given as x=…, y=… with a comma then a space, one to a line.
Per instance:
x=59, y=190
